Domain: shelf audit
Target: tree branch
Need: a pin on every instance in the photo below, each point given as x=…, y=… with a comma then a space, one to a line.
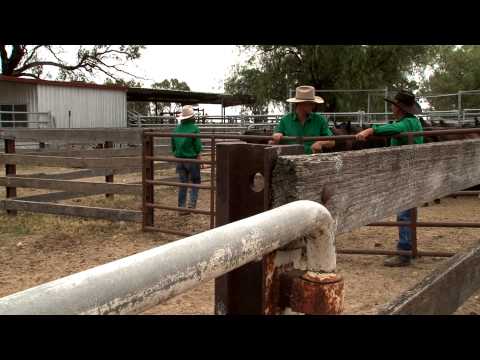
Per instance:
x=4, y=57
x=49, y=63
x=32, y=54
x=30, y=75
x=108, y=73
x=115, y=67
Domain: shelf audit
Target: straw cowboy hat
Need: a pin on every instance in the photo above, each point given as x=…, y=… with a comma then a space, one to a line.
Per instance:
x=305, y=94
x=187, y=113
x=405, y=100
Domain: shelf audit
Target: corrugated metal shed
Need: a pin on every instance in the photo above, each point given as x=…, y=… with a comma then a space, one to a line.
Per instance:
x=19, y=94
x=72, y=104
x=75, y=107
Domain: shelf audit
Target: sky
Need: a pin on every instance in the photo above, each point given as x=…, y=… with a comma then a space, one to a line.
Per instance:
x=203, y=67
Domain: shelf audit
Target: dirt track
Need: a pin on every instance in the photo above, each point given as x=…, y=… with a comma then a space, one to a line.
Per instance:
x=36, y=248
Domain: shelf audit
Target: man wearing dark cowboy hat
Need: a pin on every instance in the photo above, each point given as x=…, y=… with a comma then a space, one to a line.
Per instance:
x=304, y=122
x=404, y=108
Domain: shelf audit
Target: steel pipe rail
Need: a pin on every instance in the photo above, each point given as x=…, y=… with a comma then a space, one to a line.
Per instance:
x=135, y=283
x=308, y=138
x=176, y=208
x=427, y=224
x=393, y=252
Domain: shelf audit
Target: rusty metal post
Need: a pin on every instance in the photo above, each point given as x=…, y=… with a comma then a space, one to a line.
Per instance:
x=413, y=231
x=413, y=217
x=109, y=178
x=312, y=293
x=147, y=174
x=212, y=183
x=10, y=170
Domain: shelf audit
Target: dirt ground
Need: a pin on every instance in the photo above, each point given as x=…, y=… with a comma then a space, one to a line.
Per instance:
x=36, y=248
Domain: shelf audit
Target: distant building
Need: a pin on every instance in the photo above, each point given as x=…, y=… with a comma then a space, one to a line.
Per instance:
x=69, y=104
x=64, y=104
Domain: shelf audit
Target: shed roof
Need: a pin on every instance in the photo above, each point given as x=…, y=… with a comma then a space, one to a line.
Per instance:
x=147, y=94
x=62, y=83
x=187, y=97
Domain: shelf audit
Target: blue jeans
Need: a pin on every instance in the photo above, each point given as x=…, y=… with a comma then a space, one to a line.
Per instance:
x=185, y=172
x=404, y=232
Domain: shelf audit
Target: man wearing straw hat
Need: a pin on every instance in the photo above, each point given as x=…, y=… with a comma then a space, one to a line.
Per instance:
x=187, y=148
x=304, y=122
x=404, y=108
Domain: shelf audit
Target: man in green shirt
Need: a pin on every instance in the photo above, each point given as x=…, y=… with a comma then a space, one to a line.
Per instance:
x=304, y=122
x=404, y=108
x=187, y=148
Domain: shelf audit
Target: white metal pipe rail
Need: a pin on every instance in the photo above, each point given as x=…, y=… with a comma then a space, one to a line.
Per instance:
x=135, y=283
x=48, y=115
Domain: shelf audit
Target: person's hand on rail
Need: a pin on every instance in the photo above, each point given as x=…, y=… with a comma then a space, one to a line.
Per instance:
x=363, y=135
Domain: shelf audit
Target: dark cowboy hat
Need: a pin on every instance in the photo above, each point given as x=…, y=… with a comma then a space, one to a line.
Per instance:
x=405, y=100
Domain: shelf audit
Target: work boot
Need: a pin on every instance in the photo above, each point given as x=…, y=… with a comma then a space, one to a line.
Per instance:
x=397, y=260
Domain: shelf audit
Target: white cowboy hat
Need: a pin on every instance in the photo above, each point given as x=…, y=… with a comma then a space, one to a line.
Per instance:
x=187, y=113
x=305, y=94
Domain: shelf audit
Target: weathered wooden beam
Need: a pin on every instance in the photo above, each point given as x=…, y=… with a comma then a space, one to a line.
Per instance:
x=444, y=290
x=109, y=178
x=55, y=196
x=97, y=153
x=75, y=186
x=78, y=136
x=366, y=186
x=71, y=162
x=72, y=210
x=79, y=174
x=10, y=170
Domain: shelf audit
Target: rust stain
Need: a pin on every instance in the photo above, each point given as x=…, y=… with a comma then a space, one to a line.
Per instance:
x=317, y=294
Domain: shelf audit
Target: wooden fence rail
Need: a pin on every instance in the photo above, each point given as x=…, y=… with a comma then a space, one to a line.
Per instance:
x=71, y=162
x=365, y=186
x=72, y=210
x=444, y=290
x=106, y=161
x=68, y=185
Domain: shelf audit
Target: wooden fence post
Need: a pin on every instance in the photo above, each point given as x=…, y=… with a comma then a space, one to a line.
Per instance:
x=147, y=174
x=10, y=170
x=109, y=178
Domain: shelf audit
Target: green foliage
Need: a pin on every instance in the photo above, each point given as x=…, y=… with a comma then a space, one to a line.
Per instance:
x=140, y=107
x=172, y=84
x=272, y=70
x=128, y=83
x=457, y=68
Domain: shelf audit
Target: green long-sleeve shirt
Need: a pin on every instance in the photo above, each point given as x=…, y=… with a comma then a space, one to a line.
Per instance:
x=184, y=147
x=408, y=123
x=315, y=125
